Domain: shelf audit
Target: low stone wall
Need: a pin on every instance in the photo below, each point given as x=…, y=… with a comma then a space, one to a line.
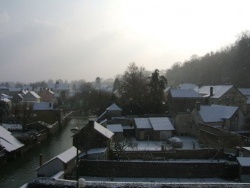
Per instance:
x=157, y=169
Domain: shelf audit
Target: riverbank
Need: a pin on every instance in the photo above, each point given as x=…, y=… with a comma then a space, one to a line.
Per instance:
x=22, y=170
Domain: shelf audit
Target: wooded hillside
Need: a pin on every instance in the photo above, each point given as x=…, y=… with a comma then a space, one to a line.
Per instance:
x=228, y=66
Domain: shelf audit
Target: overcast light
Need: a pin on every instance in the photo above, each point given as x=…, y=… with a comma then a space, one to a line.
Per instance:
x=83, y=39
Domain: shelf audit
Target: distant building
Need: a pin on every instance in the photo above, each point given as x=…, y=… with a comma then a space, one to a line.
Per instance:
x=111, y=111
x=31, y=97
x=11, y=145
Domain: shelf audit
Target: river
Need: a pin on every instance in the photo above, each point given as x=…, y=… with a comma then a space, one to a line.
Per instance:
x=16, y=173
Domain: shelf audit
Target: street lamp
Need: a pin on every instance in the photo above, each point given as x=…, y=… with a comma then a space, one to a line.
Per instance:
x=75, y=131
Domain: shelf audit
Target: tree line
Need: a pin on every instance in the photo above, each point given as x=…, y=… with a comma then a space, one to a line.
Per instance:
x=230, y=65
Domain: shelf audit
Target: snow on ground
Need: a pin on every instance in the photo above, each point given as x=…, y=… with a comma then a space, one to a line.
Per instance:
x=188, y=143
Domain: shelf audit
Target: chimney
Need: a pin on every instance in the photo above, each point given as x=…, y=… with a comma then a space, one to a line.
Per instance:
x=41, y=159
x=198, y=106
x=211, y=91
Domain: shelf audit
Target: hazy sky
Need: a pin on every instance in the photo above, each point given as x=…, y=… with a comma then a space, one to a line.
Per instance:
x=83, y=39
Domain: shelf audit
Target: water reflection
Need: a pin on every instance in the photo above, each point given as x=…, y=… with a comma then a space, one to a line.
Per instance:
x=16, y=173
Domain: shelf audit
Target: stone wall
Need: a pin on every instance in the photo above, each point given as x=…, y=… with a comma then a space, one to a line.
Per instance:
x=153, y=169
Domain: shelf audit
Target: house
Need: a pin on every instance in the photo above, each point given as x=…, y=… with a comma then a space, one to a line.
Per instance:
x=11, y=145
x=184, y=124
x=224, y=95
x=117, y=130
x=230, y=118
x=93, y=135
x=111, y=111
x=153, y=128
x=244, y=169
x=47, y=95
x=64, y=163
x=31, y=97
x=183, y=100
x=246, y=92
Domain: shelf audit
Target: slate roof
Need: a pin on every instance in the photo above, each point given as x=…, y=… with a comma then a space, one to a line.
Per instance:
x=65, y=157
x=115, y=128
x=142, y=123
x=216, y=113
x=184, y=93
x=155, y=123
x=9, y=142
x=244, y=161
x=161, y=124
x=104, y=131
x=35, y=94
x=245, y=91
x=218, y=90
x=114, y=107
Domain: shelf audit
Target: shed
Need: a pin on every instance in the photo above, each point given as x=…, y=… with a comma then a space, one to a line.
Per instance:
x=162, y=127
x=62, y=162
x=155, y=128
x=244, y=169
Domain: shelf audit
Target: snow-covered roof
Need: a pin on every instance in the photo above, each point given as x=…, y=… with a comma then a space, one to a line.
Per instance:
x=188, y=86
x=218, y=90
x=167, y=89
x=5, y=100
x=20, y=95
x=245, y=91
x=12, y=126
x=155, y=123
x=97, y=150
x=184, y=93
x=143, y=123
x=115, y=128
x=35, y=94
x=25, y=91
x=114, y=107
x=246, y=148
x=67, y=155
x=244, y=161
x=4, y=96
x=107, y=133
x=9, y=142
x=161, y=124
x=216, y=113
